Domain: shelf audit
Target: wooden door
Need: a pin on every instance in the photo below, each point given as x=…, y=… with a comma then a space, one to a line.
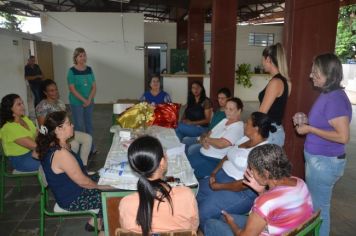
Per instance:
x=44, y=55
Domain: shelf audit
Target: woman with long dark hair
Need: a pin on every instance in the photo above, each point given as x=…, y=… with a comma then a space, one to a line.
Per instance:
x=327, y=134
x=156, y=207
x=72, y=188
x=17, y=133
x=198, y=113
x=273, y=98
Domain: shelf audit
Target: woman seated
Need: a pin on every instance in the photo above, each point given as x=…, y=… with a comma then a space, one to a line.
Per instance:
x=197, y=115
x=51, y=103
x=224, y=189
x=155, y=95
x=156, y=207
x=72, y=188
x=284, y=206
x=223, y=95
x=215, y=144
x=17, y=133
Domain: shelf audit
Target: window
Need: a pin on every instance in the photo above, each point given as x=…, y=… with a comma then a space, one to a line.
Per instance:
x=260, y=39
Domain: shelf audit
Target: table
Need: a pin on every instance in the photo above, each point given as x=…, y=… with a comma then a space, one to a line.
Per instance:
x=117, y=172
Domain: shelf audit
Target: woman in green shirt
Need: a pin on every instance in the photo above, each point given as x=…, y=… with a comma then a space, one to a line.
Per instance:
x=17, y=134
x=82, y=89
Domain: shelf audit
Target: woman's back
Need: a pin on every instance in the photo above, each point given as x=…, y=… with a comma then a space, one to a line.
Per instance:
x=185, y=212
x=284, y=207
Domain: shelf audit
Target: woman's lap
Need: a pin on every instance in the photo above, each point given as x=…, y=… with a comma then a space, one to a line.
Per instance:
x=25, y=162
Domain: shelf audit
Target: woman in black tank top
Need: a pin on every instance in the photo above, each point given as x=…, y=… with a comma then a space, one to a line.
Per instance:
x=273, y=98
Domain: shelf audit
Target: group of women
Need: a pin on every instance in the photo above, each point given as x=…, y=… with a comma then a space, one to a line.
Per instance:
x=240, y=168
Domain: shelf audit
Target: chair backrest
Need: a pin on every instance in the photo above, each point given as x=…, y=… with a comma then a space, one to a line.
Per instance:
x=123, y=232
x=309, y=227
x=111, y=214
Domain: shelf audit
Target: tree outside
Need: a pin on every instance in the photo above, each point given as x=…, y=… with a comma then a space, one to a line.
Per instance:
x=345, y=47
x=10, y=21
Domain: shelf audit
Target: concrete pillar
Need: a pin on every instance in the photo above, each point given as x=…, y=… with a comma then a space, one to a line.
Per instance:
x=310, y=29
x=223, y=47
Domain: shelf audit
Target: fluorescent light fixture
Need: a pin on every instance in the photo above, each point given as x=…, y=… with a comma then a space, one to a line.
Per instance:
x=123, y=1
x=154, y=47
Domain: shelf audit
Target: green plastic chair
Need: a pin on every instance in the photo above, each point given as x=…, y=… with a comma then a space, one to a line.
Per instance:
x=309, y=227
x=58, y=211
x=14, y=174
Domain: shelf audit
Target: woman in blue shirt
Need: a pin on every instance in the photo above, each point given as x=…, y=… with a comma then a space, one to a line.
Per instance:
x=155, y=95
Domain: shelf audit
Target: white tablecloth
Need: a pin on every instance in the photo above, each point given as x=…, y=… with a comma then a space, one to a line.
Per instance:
x=117, y=171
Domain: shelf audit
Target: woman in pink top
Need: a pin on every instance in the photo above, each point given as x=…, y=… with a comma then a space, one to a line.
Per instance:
x=285, y=205
x=156, y=207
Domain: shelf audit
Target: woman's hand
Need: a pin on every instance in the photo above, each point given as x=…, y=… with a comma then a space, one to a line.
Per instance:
x=251, y=182
x=87, y=103
x=230, y=221
x=303, y=129
x=213, y=184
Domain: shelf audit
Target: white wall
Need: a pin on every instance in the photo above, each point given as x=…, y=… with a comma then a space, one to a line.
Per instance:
x=117, y=65
x=162, y=33
x=12, y=61
x=244, y=52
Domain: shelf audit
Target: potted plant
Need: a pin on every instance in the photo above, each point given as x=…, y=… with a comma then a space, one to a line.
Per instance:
x=243, y=75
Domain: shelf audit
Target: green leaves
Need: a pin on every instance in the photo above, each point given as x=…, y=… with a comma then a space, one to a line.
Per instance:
x=345, y=47
x=243, y=75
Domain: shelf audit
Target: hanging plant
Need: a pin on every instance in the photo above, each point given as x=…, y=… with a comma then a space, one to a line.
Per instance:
x=243, y=75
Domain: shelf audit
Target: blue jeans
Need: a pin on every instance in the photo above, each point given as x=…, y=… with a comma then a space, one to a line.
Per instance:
x=277, y=137
x=215, y=227
x=25, y=162
x=185, y=130
x=202, y=165
x=189, y=141
x=36, y=91
x=210, y=202
x=83, y=119
x=321, y=174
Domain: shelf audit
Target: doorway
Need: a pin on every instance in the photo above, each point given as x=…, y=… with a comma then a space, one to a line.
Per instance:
x=155, y=61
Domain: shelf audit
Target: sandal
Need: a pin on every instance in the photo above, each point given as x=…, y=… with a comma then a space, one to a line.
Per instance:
x=90, y=228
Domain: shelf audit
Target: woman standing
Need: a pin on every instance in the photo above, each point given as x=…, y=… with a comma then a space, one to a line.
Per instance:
x=17, y=133
x=156, y=207
x=82, y=89
x=198, y=113
x=273, y=98
x=155, y=95
x=327, y=133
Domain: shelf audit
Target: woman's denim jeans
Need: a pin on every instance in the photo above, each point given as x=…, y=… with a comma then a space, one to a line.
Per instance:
x=277, y=137
x=321, y=174
x=211, y=203
x=25, y=162
x=83, y=119
x=185, y=130
x=202, y=165
x=215, y=227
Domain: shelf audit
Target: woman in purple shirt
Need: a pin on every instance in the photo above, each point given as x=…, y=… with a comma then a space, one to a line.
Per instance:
x=327, y=133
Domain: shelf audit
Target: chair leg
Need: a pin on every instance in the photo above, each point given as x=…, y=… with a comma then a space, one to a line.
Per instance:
x=42, y=217
x=18, y=184
x=2, y=192
x=96, y=225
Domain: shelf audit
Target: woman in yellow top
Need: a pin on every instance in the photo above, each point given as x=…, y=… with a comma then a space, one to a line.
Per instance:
x=156, y=207
x=17, y=134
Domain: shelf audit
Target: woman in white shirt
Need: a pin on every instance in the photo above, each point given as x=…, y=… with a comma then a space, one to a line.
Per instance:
x=224, y=189
x=215, y=144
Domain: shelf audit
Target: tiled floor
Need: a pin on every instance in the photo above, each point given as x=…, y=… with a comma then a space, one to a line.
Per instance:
x=21, y=215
